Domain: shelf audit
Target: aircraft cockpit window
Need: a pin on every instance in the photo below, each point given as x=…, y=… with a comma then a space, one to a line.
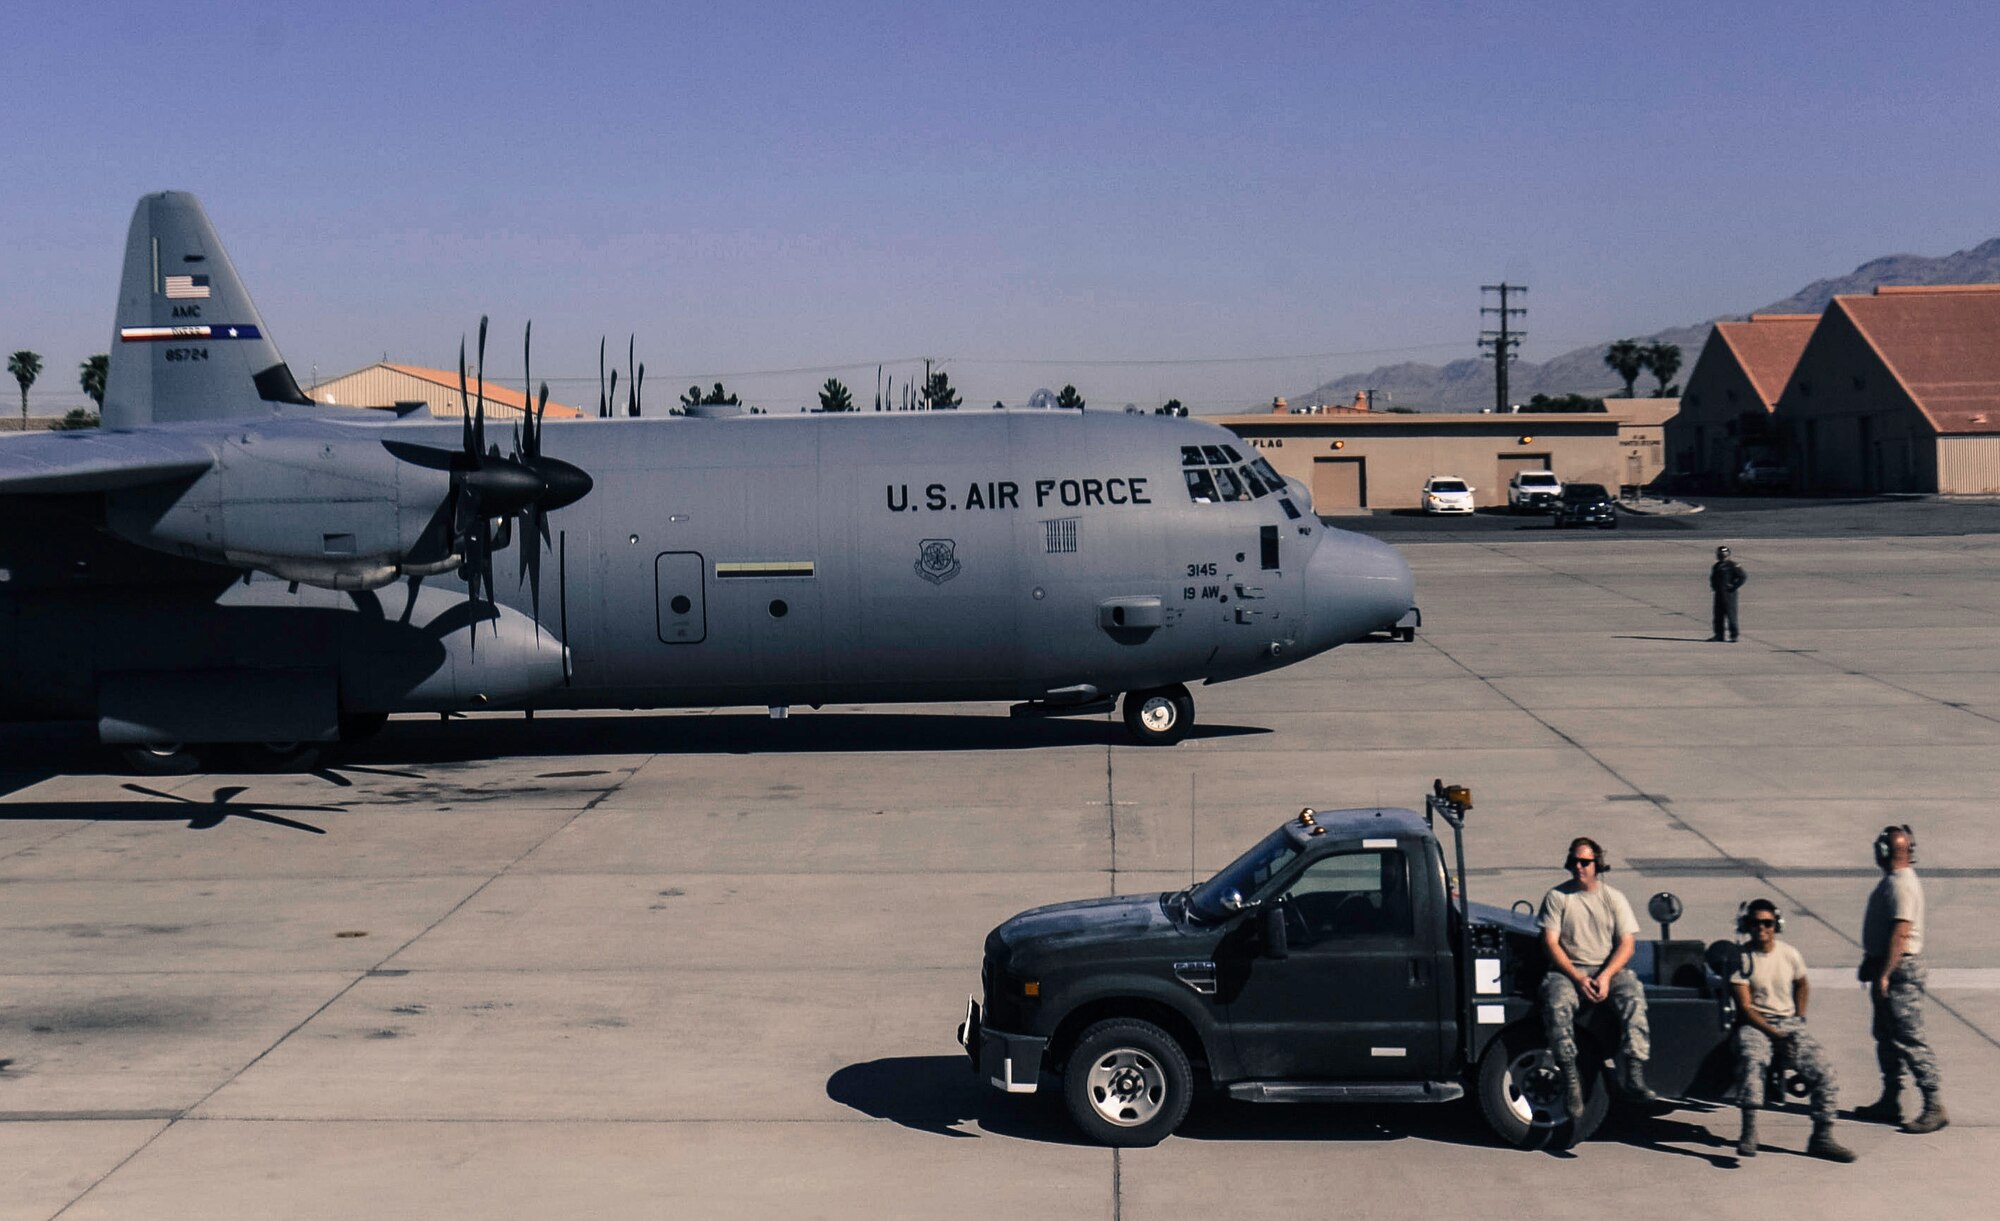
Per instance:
x=1190, y=455
x=1263, y=467
x=1250, y=480
x=1225, y=481
x=1201, y=489
x=1233, y=455
x=1214, y=455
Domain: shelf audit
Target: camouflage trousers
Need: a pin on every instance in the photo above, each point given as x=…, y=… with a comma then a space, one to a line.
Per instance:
x=1899, y=1029
x=1754, y=1051
x=1561, y=1000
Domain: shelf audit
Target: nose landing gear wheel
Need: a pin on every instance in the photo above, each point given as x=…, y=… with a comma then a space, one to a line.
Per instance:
x=1159, y=716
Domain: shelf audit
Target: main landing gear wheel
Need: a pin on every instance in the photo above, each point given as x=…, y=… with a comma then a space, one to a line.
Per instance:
x=1128, y=1083
x=1521, y=1093
x=1160, y=716
x=160, y=759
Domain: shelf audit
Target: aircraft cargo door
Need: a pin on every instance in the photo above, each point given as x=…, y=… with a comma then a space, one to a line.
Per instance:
x=683, y=612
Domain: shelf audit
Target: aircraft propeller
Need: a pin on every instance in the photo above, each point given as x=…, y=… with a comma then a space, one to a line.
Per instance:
x=490, y=489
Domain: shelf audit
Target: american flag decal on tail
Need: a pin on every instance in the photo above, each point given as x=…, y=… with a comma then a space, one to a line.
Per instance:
x=186, y=288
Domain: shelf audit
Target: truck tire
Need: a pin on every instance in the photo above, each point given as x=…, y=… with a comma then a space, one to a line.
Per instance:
x=1128, y=1083
x=1520, y=1093
x=1159, y=716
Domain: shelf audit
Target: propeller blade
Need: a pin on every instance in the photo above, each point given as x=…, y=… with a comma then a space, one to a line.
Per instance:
x=603, y=404
x=530, y=444
x=464, y=403
x=637, y=382
x=479, y=420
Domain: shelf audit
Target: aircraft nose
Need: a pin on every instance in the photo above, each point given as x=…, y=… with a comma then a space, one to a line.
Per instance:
x=1355, y=585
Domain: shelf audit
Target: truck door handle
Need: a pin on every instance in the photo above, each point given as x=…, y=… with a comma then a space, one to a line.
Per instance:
x=1417, y=973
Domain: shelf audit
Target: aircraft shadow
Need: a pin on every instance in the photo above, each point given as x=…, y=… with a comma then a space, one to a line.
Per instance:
x=71, y=749
x=420, y=741
x=938, y=1094
x=167, y=807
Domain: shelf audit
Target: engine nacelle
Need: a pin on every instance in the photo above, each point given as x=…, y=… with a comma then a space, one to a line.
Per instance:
x=326, y=506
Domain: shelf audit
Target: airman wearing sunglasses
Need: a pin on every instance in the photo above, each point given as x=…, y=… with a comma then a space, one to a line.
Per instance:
x=1771, y=994
x=1590, y=933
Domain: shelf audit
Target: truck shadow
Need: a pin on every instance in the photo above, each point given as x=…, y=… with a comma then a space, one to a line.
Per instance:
x=941, y=1095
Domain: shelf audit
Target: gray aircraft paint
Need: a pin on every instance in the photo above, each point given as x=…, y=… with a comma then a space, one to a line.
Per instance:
x=747, y=560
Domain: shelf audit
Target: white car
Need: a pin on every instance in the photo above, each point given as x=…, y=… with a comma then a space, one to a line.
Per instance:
x=1446, y=494
x=1533, y=491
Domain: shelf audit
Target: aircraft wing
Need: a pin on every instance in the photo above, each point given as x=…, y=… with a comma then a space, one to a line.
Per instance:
x=88, y=460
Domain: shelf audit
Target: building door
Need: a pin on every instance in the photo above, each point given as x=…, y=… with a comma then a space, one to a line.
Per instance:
x=1339, y=483
x=1510, y=463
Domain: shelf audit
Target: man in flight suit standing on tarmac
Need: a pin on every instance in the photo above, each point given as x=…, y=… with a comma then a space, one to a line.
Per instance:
x=1725, y=579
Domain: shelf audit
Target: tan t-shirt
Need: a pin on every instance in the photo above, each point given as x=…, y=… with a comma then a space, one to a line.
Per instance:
x=1771, y=977
x=1588, y=924
x=1898, y=896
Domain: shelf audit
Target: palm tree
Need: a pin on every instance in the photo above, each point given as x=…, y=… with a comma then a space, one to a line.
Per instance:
x=1626, y=358
x=92, y=374
x=835, y=397
x=1664, y=359
x=26, y=366
x=938, y=394
x=1070, y=399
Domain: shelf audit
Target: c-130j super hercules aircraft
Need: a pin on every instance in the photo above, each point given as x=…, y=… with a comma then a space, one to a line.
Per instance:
x=226, y=562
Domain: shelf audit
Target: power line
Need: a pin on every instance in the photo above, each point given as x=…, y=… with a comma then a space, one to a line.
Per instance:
x=1504, y=343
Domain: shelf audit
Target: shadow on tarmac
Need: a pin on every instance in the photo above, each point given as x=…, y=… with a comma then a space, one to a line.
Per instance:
x=938, y=1094
x=167, y=807
x=71, y=749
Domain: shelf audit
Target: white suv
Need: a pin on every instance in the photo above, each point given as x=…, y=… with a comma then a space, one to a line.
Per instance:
x=1446, y=494
x=1533, y=491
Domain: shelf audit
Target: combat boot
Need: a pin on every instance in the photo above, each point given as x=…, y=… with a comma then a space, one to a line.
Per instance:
x=1746, y=1144
x=1823, y=1145
x=1632, y=1082
x=1572, y=1088
x=1931, y=1120
x=1886, y=1109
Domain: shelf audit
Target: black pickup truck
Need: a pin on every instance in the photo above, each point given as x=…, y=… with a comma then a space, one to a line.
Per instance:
x=1335, y=961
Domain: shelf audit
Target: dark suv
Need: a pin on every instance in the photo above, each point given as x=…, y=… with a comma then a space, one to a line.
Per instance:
x=1585, y=504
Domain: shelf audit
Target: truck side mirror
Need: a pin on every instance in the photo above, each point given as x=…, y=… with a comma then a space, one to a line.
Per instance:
x=1277, y=944
x=1232, y=900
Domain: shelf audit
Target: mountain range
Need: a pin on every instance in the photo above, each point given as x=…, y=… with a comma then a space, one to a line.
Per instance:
x=1467, y=385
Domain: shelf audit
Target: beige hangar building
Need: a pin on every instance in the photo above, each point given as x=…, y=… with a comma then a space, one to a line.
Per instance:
x=384, y=385
x=1358, y=459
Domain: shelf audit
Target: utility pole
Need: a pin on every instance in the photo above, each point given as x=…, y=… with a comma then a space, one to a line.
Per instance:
x=1504, y=340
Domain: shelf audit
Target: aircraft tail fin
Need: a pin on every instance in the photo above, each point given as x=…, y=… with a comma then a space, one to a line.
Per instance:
x=189, y=343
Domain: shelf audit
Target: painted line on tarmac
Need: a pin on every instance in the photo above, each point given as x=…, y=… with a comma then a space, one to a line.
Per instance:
x=1964, y=979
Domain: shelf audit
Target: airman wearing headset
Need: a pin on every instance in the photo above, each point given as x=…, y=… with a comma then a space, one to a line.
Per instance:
x=1590, y=933
x=1771, y=994
x=1892, y=968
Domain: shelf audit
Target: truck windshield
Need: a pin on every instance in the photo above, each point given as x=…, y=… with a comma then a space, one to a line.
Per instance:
x=1246, y=875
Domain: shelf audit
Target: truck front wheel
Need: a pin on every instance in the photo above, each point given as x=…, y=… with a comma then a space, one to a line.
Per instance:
x=1521, y=1093
x=1128, y=1083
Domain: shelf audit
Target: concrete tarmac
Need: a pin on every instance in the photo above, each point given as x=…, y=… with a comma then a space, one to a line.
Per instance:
x=705, y=964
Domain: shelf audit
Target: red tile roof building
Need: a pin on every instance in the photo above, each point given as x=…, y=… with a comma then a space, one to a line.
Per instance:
x=1899, y=391
x=1729, y=395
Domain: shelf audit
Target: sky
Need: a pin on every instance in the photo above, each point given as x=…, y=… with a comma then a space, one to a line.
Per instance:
x=1217, y=203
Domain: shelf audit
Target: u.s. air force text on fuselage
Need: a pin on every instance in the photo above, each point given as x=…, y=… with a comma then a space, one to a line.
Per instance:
x=1006, y=494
